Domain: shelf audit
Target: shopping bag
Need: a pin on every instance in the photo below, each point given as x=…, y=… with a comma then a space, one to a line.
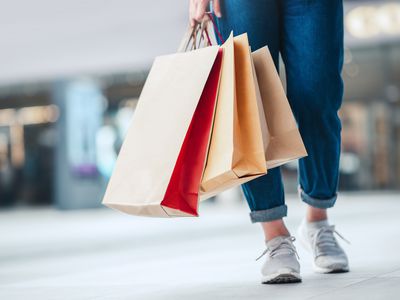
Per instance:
x=236, y=154
x=207, y=120
x=160, y=164
x=282, y=139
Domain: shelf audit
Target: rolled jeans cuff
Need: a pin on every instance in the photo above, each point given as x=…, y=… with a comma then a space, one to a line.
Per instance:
x=268, y=215
x=318, y=203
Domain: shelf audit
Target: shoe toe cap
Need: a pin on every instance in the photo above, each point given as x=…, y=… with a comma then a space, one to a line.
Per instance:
x=282, y=264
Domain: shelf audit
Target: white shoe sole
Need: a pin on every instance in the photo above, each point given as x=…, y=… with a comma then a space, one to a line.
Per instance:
x=333, y=269
x=281, y=277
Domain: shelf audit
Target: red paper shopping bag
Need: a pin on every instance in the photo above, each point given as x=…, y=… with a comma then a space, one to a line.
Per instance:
x=183, y=189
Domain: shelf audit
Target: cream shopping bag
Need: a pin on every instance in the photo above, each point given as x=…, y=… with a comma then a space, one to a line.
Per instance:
x=160, y=164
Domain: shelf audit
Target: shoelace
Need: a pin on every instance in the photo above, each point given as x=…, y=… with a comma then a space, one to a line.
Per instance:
x=323, y=240
x=287, y=245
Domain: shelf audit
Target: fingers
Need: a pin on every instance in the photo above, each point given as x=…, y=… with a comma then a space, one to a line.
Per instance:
x=192, y=11
x=217, y=9
x=201, y=10
x=197, y=10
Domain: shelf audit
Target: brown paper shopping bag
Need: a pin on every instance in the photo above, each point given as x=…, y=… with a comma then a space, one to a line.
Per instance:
x=236, y=153
x=159, y=167
x=282, y=140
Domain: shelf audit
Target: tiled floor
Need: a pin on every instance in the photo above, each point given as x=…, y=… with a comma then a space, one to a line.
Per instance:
x=102, y=254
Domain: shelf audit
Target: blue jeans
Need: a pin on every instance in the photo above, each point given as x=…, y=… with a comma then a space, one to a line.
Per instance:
x=309, y=36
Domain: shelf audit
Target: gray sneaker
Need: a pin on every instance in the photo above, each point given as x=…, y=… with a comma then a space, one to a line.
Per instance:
x=281, y=265
x=319, y=238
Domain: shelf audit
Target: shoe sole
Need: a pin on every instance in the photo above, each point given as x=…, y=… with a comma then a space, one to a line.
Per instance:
x=333, y=270
x=281, y=278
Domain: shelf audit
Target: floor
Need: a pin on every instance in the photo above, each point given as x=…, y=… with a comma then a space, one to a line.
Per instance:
x=103, y=254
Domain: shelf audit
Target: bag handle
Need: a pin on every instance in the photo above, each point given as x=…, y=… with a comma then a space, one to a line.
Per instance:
x=198, y=35
x=194, y=37
x=212, y=19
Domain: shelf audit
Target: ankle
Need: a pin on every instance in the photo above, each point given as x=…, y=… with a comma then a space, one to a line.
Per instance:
x=316, y=214
x=274, y=229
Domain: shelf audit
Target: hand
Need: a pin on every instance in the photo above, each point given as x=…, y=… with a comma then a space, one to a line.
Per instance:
x=197, y=10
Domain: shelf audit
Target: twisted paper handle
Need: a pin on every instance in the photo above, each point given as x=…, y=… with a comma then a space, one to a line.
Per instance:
x=198, y=36
x=210, y=15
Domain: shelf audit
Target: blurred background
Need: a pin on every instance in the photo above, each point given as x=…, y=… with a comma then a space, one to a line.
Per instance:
x=71, y=73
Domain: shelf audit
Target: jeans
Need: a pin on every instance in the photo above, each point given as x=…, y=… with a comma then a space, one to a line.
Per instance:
x=309, y=36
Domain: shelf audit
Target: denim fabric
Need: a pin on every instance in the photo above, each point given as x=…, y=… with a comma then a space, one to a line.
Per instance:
x=270, y=214
x=309, y=36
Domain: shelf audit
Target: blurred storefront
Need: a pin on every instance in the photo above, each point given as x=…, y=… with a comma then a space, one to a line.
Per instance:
x=371, y=110
x=59, y=141
x=59, y=138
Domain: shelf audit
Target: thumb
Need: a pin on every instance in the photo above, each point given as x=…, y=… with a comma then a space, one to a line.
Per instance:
x=201, y=10
x=217, y=8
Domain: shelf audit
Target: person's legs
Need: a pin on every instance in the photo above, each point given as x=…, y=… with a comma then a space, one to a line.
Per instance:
x=265, y=195
x=312, y=50
x=260, y=19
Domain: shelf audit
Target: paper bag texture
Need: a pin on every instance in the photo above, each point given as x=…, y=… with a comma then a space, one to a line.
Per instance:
x=283, y=142
x=236, y=153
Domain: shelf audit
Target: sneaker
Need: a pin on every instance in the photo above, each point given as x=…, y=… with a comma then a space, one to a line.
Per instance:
x=319, y=239
x=281, y=265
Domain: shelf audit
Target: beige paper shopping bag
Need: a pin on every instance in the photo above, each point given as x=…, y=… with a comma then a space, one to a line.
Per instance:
x=282, y=141
x=236, y=153
x=148, y=158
